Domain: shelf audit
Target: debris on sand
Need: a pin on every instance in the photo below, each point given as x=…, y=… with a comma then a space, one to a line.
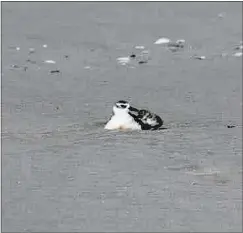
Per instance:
x=143, y=57
x=142, y=62
x=15, y=66
x=230, y=126
x=123, y=60
x=239, y=47
x=19, y=67
x=31, y=50
x=49, y=61
x=139, y=47
x=14, y=47
x=175, y=46
x=199, y=57
x=54, y=71
x=223, y=55
x=162, y=40
x=31, y=61
x=221, y=15
x=181, y=41
x=238, y=54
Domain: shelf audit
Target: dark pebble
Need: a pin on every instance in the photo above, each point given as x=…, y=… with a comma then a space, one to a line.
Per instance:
x=230, y=126
x=142, y=62
x=133, y=56
x=54, y=71
x=66, y=56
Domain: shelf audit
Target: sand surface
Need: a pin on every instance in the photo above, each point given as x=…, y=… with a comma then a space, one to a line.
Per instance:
x=62, y=172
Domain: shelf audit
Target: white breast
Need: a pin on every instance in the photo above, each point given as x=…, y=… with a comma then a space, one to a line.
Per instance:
x=122, y=121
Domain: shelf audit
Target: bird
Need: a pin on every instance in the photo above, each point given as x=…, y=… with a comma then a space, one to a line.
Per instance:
x=123, y=118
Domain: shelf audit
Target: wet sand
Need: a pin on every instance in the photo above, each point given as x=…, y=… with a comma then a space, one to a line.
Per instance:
x=62, y=172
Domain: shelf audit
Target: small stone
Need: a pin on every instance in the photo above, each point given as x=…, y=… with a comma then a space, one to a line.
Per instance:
x=239, y=47
x=142, y=62
x=54, y=71
x=44, y=45
x=230, y=126
x=133, y=56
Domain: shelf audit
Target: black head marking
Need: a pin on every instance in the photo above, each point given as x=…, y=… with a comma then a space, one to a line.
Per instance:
x=122, y=102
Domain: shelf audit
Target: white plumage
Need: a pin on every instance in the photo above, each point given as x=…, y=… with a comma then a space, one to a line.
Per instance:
x=121, y=119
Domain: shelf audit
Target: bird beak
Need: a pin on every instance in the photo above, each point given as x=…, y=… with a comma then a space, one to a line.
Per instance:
x=133, y=109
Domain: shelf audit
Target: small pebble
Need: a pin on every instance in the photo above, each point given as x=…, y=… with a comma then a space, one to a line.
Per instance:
x=87, y=67
x=44, y=45
x=230, y=126
x=142, y=62
x=133, y=56
x=54, y=71
x=66, y=56
x=50, y=61
x=240, y=47
x=162, y=40
x=17, y=48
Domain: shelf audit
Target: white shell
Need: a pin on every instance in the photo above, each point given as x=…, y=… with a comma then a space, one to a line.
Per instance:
x=162, y=40
x=17, y=48
x=123, y=60
x=50, y=61
x=139, y=47
x=238, y=54
x=180, y=41
x=44, y=45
